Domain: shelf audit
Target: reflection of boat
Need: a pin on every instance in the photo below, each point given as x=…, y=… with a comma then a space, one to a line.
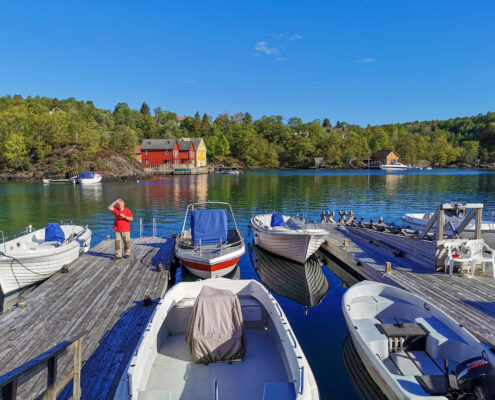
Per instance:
x=209, y=247
x=35, y=256
x=394, y=166
x=89, y=177
x=305, y=284
x=286, y=236
x=186, y=276
x=407, y=345
x=186, y=352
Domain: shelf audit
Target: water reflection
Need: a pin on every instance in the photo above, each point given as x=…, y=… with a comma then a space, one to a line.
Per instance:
x=93, y=192
x=305, y=284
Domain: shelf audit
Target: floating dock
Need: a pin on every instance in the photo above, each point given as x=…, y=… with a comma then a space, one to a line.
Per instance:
x=373, y=256
x=111, y=300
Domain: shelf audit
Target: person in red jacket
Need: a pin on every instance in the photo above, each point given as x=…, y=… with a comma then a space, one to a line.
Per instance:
x=122, y=228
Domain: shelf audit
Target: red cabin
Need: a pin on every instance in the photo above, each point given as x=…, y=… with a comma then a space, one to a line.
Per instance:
x=158, y=152
x=186, y=152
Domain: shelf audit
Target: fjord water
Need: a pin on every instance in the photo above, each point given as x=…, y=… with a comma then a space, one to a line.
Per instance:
x=369, y=194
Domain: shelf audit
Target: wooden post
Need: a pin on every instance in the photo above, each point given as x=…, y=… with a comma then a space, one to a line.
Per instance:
x=388, y=266
x=51, y=390
x=429, y=224
x=440, y=223
x=478, y=222
x=10, y=391
x=76, y=387
x=346, y=243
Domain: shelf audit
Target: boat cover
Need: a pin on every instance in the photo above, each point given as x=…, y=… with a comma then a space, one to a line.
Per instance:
x=209, y=226
x=87, y=175
x=216, y=332
x=277, y=219
x=54, y=233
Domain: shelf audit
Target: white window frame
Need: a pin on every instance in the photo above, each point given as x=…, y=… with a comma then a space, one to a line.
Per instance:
x=147, y=162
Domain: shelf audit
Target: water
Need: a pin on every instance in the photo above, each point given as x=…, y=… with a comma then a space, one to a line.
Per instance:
x=370, y=194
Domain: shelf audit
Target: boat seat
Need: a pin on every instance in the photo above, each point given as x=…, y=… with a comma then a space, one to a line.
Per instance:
x=441, y=339
x=377, y=341
x=436, y=385
x=279, y=391
x=155, y=395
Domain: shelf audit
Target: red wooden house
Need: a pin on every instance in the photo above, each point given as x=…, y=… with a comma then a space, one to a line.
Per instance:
x=186, y=152
x=158, y=152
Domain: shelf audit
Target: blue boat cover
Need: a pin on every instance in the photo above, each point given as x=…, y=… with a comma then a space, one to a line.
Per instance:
x=54, y=233
x=277, y=219
x=209, y=226
x=87, y=175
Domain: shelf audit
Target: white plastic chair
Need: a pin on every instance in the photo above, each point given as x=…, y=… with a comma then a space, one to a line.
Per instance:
x=453, y=256
x=476, y=249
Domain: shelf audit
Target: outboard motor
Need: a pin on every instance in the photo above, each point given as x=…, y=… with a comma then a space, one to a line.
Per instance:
x=478, y=376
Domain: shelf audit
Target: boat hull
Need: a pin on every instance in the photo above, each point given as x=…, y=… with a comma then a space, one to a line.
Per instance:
x=27, y=269
x=96, y=179
x=418, y=223
x=295, y=245
x=205, y=270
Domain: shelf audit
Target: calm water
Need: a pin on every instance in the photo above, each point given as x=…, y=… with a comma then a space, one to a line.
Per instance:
x=369, y=194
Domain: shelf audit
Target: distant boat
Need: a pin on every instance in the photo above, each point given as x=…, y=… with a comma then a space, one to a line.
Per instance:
x=228, y=171
x=218, y=339
x=286, y=236
x=412, y=349
x=305, y=284
x=72, y=180
x=89, y=177
x=397, y=166
x=209, y=247
x=418, y=221
x=36, y=255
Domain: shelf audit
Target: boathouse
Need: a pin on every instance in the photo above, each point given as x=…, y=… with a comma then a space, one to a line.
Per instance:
x=173, y=153
x=384, y=157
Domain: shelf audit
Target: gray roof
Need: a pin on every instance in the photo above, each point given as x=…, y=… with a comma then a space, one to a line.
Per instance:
x=196, y=142
x=184, y=144
x=158, y=144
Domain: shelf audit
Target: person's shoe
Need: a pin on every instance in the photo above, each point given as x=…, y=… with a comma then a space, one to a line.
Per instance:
x=125, y=256
x=115, y=258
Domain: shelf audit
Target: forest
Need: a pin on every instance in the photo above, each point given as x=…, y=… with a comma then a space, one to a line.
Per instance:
x=32, y=128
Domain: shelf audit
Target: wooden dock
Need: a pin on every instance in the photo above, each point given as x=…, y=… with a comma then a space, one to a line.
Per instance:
x=470, y=301
x=98, y=295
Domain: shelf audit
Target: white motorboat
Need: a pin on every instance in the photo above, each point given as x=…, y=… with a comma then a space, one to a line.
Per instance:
x=218, y=339
x=418, y=221
x=72, y=180
x=395, y=166
x=305, y=284
x=286, y=236
x=89, y=177
x=35, y=256
x=209, y=247
x=413, y=350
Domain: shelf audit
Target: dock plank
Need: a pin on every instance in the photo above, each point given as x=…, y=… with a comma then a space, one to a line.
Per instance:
x=99, y=295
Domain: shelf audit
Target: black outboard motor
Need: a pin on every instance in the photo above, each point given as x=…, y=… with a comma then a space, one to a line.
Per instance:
x=478, y=376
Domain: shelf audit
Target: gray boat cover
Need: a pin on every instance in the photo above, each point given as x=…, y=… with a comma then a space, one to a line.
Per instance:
x=216, y=332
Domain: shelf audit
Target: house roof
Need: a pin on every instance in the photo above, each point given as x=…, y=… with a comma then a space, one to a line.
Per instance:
x=138, y=149
x=196, y=142
x=184, y=144
x=158, y=144
x=383, y=153
x=180, y=119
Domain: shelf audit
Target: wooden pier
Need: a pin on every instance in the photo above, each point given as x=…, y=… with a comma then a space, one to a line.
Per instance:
x=111, y=300
x=470, y=301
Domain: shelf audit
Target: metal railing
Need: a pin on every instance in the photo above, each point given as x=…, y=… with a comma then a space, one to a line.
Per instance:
x=13, y=379
x=153, y=227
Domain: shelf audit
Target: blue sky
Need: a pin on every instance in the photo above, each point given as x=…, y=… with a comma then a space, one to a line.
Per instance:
x=360, y=61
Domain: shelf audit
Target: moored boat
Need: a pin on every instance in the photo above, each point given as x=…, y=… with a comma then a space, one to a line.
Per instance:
x=36, y=255
x=412, y=349
x=397, y=166
x=418, y=221
x=286, y=236
x=89, y=177
x=72, y=180
x=305, y=284
x=218, y=339
x=209, y=247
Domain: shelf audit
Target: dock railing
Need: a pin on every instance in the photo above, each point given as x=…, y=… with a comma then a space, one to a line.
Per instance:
x=13, y=379
x=153, y=227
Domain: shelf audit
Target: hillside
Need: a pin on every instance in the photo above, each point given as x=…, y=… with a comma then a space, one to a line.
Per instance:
x=45, y=136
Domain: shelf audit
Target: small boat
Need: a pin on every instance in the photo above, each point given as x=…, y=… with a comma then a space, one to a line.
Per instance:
x=305, y=284
x=89, y=177
x=72, y=180
x=36, y=255
x=286, y=236
x=412, y=349
x=209, y=247
x=228, y=171
x=418, y=221
x=395, y=166
x=218, y=339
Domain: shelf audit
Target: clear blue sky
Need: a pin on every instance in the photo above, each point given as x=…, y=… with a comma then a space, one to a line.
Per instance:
x=360, y=61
